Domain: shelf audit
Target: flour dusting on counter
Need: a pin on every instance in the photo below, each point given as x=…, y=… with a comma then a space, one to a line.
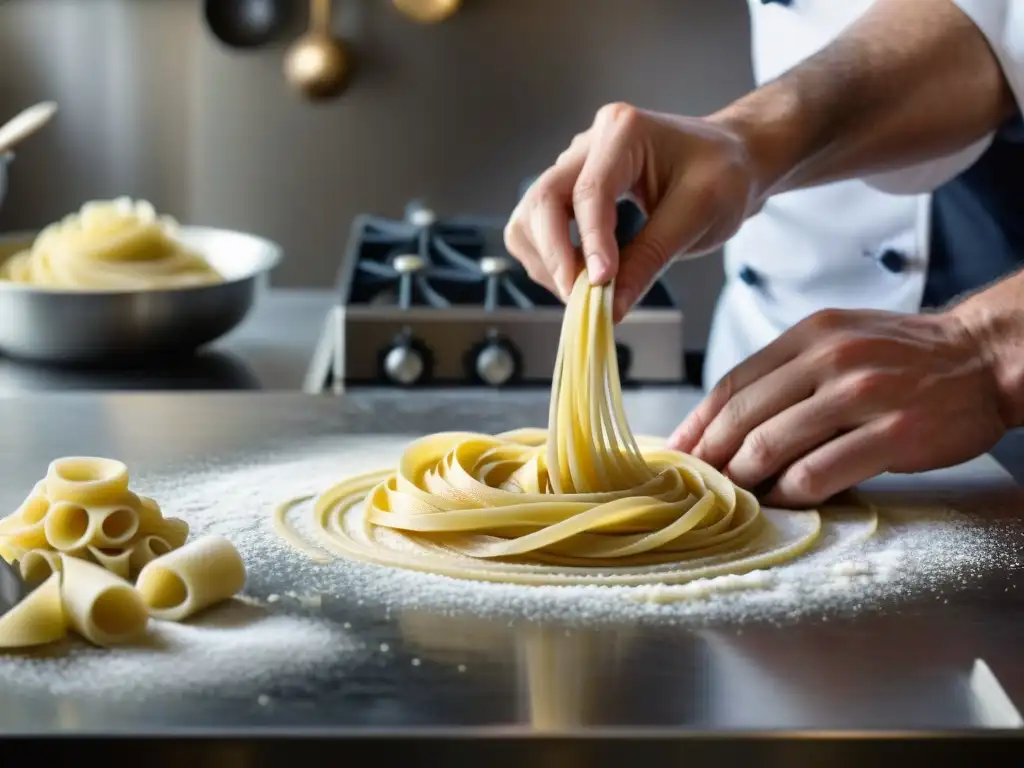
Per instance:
x=235, y=645
x=914, y=552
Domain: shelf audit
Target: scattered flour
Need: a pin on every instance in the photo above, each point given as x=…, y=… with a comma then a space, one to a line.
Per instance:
x=276, y=632
x=236, y=645
x=914, y=552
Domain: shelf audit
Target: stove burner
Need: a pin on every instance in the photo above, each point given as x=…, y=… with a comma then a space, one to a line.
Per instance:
x=433, y=301
x=439, y=263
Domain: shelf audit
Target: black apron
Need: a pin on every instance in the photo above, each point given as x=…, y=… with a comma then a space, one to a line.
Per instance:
x=977, y=222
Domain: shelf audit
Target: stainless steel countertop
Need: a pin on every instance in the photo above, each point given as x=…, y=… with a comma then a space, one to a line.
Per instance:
x=902, y=666
x=891, y=669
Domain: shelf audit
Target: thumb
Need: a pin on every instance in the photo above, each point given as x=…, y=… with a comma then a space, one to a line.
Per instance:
x=669, y=230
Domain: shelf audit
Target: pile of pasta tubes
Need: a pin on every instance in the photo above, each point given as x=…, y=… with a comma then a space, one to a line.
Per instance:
x=101, y=561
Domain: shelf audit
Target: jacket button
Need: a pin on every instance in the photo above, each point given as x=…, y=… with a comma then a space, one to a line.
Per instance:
x=893, y=260
x=749, y=276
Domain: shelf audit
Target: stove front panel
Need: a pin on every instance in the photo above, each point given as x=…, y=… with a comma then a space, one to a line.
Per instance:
x=652, y=340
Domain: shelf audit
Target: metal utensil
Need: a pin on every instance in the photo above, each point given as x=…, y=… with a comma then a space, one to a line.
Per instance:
x=428, y=11
x=248, y=23
x=5, y=160
x=24, y=124
x=12, y=588
x=93, y=327
x=318, y=64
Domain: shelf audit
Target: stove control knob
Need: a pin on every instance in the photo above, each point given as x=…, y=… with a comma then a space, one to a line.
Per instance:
x=403, y=364
x=408, y=263
x=492, y=266
x=495, y=364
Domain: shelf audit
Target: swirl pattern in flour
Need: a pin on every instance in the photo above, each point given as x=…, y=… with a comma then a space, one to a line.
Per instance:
x=110, y=245
x=583, y=502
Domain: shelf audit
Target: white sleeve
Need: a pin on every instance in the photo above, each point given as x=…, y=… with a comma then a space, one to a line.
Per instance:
x=1002, y=23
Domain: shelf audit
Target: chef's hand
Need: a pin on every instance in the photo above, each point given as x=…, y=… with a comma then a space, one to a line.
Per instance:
x=693, y=176
x=844, y=396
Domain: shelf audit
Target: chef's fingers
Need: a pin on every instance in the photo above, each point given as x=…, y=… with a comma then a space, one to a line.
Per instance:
x=740, y=419
x=577, y=149
x=546, y=222
x=613, y=165
x=549, y=222
x=520, y=246
x=549, y=225
x=781, y=351
x=674, y=225
x=836, y=466
x=520, y=243
x=786, y=438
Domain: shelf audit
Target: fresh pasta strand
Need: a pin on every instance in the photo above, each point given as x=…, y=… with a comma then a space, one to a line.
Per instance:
x=117, y=561
x=174, y=531
x=102, y=608
x=584, y=502
x=38, y=619
x=37, y=565
x=86, y=480
x=11, y=553
x=145, y=551
x=27, y=528
x=115, y=525
x=110, y=245
x=183, y=582
x=68, y=527
x=151, y=518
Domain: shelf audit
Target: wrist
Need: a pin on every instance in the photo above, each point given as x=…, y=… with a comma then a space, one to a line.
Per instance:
x=997, y=336
x=768, y=124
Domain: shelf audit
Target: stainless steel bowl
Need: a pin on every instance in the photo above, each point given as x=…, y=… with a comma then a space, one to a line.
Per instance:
x=73, y=327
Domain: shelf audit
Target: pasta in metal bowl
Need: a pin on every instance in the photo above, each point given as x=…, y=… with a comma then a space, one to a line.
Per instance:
x=117, y=244
x=116, y=280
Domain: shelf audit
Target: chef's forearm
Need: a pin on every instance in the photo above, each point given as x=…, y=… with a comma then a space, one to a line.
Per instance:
x=909, y=81
x=994, y=319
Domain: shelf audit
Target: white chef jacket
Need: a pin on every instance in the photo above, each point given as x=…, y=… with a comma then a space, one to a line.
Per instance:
x=861, y=244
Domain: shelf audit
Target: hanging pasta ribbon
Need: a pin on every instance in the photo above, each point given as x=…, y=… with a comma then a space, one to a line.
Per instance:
x=583, y=502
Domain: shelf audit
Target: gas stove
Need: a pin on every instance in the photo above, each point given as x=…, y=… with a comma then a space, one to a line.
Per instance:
x=429, y=301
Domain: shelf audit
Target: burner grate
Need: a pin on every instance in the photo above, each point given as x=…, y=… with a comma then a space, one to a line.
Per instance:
x=440, y=265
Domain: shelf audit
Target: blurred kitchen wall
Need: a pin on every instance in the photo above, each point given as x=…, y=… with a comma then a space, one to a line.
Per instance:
x=456, y=114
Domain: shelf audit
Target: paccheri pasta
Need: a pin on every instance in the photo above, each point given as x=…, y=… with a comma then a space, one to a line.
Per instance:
x=192, y=578
x=82, y=537
x=37, y=620
x=85, y=509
